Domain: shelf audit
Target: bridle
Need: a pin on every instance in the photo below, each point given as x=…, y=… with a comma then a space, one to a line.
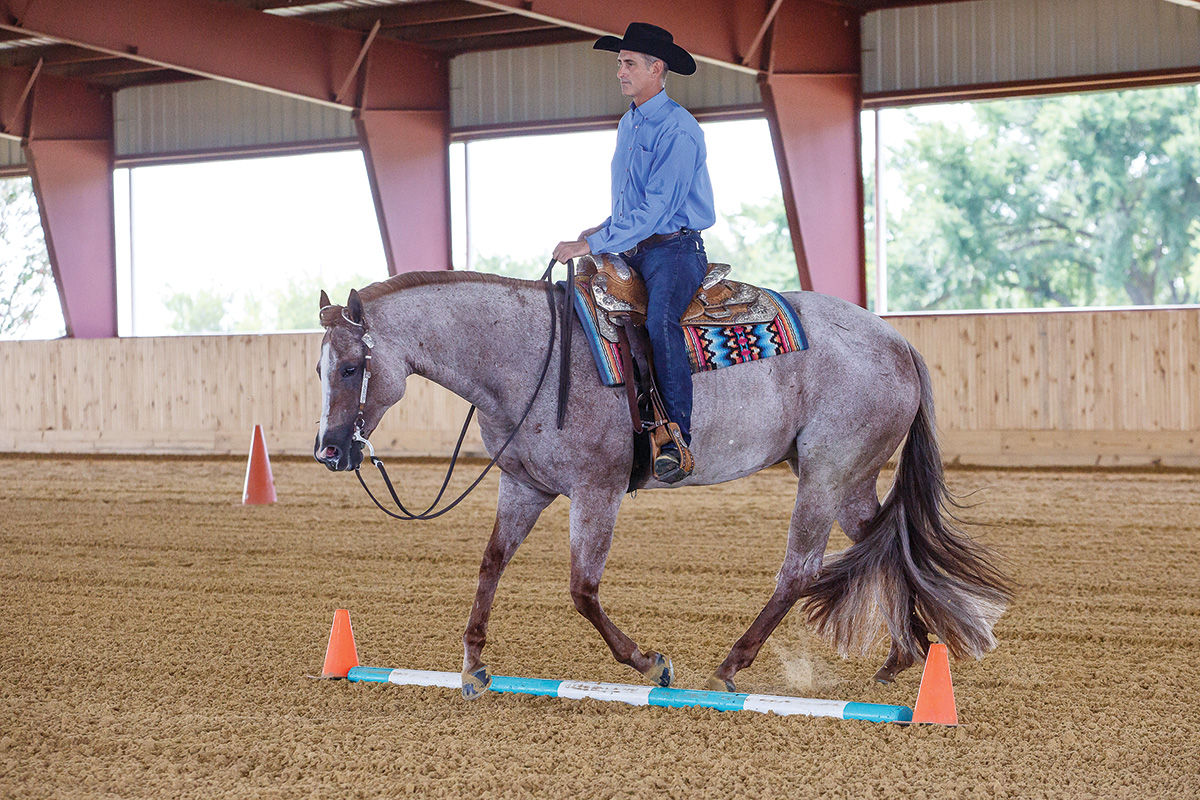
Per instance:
x=360, y=421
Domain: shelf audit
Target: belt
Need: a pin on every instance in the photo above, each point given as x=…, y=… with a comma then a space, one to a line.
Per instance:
x=656, y=240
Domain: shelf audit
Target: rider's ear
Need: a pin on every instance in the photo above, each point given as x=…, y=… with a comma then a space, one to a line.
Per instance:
x=325, y=300
x=354, y=308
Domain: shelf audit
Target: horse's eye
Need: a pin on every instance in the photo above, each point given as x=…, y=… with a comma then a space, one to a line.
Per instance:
x=348, y=371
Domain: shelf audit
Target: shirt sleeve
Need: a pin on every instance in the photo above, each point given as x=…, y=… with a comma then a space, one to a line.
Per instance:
x=670, y=178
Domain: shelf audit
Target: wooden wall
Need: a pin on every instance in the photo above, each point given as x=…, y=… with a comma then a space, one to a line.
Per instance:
x=1062, y=388
x=1075, y=388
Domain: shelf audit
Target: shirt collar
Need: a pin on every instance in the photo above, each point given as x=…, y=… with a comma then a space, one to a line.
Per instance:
x=652, y=106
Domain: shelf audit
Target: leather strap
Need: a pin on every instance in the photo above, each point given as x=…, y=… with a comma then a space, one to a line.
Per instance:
x=627, y=365
x=564, y=362
x=655, y=240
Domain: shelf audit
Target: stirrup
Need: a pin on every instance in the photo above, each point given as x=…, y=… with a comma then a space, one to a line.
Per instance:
x=674, y=461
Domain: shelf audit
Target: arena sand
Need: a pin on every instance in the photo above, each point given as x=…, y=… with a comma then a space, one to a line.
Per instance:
x=157, y=634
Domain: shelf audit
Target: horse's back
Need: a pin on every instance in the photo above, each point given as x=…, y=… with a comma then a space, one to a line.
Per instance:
x=855, y=388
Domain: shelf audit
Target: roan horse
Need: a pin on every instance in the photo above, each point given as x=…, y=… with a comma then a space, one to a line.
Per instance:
x=835, y=413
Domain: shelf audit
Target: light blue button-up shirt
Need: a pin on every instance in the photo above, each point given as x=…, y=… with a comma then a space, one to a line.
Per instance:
x=660, y=177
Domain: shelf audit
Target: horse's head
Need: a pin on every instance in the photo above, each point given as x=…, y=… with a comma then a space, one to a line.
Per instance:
x=349, y=352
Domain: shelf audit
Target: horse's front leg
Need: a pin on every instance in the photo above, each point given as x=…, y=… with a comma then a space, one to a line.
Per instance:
x=516, y=512
x=593, y=516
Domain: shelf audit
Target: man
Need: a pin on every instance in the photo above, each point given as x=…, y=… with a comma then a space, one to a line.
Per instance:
x=661, y=199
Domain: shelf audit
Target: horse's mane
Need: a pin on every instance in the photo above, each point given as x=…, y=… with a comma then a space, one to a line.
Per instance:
x=409, y=280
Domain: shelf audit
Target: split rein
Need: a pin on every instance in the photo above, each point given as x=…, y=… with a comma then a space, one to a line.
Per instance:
x=429, y=513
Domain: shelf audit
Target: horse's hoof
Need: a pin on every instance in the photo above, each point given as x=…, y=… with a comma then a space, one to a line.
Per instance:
x=719, y=684
x=662, y=673
x=474, y=684
x=890, y=669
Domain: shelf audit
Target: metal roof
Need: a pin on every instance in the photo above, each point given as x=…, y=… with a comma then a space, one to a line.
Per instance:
x=455, y=27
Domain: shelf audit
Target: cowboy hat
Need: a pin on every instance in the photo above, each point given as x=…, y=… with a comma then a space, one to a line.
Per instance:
x=641, y=37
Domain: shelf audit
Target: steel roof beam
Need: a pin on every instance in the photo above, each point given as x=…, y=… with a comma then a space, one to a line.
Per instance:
x=466, y=29
x=716, y=31
x=221, y=41
x=510, y=41
x=405, y=15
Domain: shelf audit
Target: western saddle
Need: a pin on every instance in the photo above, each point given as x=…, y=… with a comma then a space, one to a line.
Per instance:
x=620, y=299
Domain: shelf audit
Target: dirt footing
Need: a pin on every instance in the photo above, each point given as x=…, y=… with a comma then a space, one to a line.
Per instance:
x=156, y=635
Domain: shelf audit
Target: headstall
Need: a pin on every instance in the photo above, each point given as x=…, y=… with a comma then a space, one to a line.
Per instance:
x=360, y=421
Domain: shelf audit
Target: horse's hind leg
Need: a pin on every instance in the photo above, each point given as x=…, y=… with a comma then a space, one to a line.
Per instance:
x=859, y=508
x=517, y=510
x=808, y=533
x=593, y=516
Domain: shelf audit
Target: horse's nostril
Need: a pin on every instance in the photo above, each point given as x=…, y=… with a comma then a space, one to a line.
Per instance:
x=331, y=453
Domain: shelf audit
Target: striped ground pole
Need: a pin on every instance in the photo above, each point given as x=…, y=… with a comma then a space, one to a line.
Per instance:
x=645, y=695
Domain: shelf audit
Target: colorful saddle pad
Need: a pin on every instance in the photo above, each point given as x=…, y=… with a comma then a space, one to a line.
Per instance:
x=709, y=346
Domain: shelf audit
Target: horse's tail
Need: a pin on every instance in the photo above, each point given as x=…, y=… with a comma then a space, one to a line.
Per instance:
x=912, y=571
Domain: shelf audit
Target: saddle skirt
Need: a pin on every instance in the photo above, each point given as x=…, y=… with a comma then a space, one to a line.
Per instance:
x=726, y=323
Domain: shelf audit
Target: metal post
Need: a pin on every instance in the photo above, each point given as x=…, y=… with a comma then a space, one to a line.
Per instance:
x=469, y=261
x=881, y=298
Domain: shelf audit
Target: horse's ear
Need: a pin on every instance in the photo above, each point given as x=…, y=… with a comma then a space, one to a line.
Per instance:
x=325, y=300
x=354, y=308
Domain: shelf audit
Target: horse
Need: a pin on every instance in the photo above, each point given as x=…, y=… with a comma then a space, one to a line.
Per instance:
x=835, y=413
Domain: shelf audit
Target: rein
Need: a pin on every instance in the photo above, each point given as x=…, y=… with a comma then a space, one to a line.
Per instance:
x=429, y=513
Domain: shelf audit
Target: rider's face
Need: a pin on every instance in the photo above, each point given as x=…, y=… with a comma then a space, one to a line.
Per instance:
x=637, y=80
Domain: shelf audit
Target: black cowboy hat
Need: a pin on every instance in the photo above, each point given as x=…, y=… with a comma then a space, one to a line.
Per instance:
x=641, y=37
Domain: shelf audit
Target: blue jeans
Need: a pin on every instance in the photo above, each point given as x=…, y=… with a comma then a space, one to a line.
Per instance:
x=672, y=271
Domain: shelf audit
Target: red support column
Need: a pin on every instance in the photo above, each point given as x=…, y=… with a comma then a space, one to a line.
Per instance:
x=812, y=94
x=69, y=148
x=408, y=164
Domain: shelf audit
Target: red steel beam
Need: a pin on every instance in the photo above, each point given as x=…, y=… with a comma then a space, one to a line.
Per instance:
x=712, y=30
x=812, y=93
x=226, y=42
x=69, y=148
x=292, y=57
x=408, y=164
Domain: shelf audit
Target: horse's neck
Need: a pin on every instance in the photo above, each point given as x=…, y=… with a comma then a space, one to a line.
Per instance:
x=484, y=342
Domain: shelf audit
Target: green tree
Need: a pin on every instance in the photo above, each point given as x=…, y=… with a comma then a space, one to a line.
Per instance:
x=25, y=276
x=1058, y=201
x=758, y=247
x=202, y=311
x=297, y=302
x=529, y=268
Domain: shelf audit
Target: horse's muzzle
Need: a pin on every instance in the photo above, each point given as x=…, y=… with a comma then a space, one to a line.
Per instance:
x=339, y=459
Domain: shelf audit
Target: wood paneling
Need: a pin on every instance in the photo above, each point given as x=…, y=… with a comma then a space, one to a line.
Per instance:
x=1063, y=388
x=1069, y=387
x=201, y=394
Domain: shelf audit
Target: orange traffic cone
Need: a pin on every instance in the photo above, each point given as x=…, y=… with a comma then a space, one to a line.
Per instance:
x=341, y=653
x=259, y=489
x=935, y=699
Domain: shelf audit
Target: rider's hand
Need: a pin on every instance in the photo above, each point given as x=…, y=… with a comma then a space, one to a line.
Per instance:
x=586, y=233
x=568, y=250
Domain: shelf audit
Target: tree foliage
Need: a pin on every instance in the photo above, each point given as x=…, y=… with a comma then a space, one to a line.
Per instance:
x=291, y=307
x=1074, y=200
x=758, y=247
x=25, y=277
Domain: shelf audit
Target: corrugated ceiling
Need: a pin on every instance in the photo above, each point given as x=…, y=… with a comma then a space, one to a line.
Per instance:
x=1016, y=41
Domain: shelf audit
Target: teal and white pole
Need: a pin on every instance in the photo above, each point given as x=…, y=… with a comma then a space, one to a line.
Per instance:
x=645, y=695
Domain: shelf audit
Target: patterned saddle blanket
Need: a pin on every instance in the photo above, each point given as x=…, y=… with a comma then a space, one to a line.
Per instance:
x=726, y=323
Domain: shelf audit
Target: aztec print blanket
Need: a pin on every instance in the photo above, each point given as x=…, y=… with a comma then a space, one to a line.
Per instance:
x=709, y=346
